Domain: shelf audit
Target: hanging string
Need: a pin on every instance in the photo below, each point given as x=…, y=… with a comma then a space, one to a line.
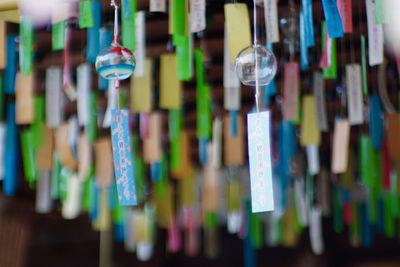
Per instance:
x=114, y=4
x=257, y=94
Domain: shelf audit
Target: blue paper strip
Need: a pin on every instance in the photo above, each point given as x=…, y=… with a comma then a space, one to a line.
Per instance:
x=308, y=20
x=258, y=129
x=375, y=121
x=250, y=258
x=233, y=120
x=94, y=201
x=366, y=231
x=105, y=37
x=155, y=171
x=333, y=19
x=123, y=163
x=269, y=90
x=303, y=43
x=93, y=34
x=11, y=65
x=203, y=151
x=10, y=183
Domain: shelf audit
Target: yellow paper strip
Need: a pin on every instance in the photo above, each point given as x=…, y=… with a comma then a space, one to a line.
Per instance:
x=141, y=90
x=310, y=134
x=170, y=86
x=24, y=98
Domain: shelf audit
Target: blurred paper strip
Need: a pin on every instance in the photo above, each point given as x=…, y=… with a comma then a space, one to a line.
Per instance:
x=24, y=87
x=271, y=20
x=157, y=6
x=354, y=94
x=375, y=36
x=72, y=204
x=319, y=94
x=84, y=84
x=340, y=148
x=140, y=51
x=54, y=97
x=2, y=148
x=43, y=193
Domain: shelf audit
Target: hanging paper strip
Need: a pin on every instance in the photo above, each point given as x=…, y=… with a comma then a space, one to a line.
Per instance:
x=375, y=121
x=231, y=80
x=128, y=16
x=11, y=64
x=393, y=132
x=85, y=14
x=2, y=149
x=43, y=193
x=123, y=163
x=258, y=128
x=291, y=92
x=3, y=41
x=11, y=175
x=319, y=94
x=174, y=134
x=103, y=162
x=340, y=148
x=44, y=153
x=93, y=33
x=306, y=9
x=38, y=124
x=170, y=87
x=197, y=15
x=54, y=97
x=333, y=20
x=157, y=6
x=24, y=98
x=310, y=134
x=140, y=52
x=303, y=43
x=58, y=35
x=238, y=27
x=217, y=142
x=375, y=36
x=105, y=39
x=184, y=56
x=84, y=78
x=26, y=45
x=152, y=149
x=179, y=13
x=28, y=156
x=382, y=10
x=354, y=94
x=346, y=13
x=364, y=66
x=141, y=90
x=91, y=128
x=271, y=20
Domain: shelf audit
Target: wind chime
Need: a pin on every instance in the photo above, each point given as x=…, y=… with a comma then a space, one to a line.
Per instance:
x=256, y=66
x=116, y=63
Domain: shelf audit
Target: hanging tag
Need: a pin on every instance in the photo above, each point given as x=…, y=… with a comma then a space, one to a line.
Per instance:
x=141, y=90
x=231, y=80
x=84, y=77
x=24, y=98
x=333, y=21
x=54, y=97
x=63, y=147
x=313, y=159
x=217, y=143
x=197, y=15
x=310, y=134
x=43, y=193
x=158, y=6
x=85, y=14
x=84, y=157
x=184, y=56
x=140, y=51
x=375, y=36
x=123, y=162
x=354, y=94
x=233, y=145
x=340, y=148
x=320, y=103
x=128, y=30
x=152, y=144
x=300, y=202
x=2, y=149
x=3, y=42
x=58, y=36
x=170, y=87
x=28, y=156
x=364, y=66
x=93, y=34
x=316, y=238
x=307, y=10
x=103, y=162
x=375, y=121
x=111, y=103
x=11, y=64
x=258, y=128
x=291, y=92
x=72, y=204
x=26, y=32
x=393, y=133
x=271, y=20
x=203, y=111
x=238, y=28
x=346, y=14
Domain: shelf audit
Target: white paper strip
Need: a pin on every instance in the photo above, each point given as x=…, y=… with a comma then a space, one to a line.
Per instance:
x=230, y=78
x=271, y=20
x=354, y=94
x=316, y=238
x=313, y=159
x=340, y=149
x=111, y=104
x=157, y=6
x=140, y=53
x=54, y=97
x=83, y=86
x=197, y=15
x=72, y=204
x=43, y=193
x=301, y=206
x=2, y=146
x=319, y=94
x=234, y=222
x=129, y=226
x=375, y=36
x=217, y=143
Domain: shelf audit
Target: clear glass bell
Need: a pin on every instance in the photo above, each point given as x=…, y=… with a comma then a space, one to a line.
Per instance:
x=255, y=62
x=115, y=62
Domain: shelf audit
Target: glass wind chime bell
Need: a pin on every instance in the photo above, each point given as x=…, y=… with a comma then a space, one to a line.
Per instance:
x=115, y=62
x=255, y=65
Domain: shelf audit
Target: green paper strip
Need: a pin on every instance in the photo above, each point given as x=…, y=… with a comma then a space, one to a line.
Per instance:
x=161, y=185
x=91, y=128
x=331, y=71
x=128, y=14
x=85, y=14
x=200, y=71
x=183, y=54
x=364, y=66
x=38, y=125
x=367, y=161
x=58, y=36
x=234, y=197
x=210, y=220
x=87, y=189
x=26, y=45
x=28, y=156
x=55, y=177
x=65, y=174
x=388, y=217
x=174, y=124
x=139, y=177
x=372, y=205
x=256, y=236
x=381, y=16
x=179, y=17
x=118, y=213
x=203, y=106
x=175, y=154
x=355, y=226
